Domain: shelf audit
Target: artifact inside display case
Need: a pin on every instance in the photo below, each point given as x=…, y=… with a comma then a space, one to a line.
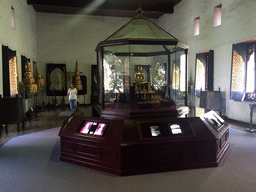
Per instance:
x=128, y=86
x=141, y=66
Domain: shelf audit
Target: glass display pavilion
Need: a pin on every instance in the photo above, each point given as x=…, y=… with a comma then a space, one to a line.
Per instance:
x=141, y=67
x=142, y=80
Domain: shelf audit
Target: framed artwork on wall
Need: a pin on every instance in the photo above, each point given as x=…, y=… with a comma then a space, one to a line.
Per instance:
x=56, y=80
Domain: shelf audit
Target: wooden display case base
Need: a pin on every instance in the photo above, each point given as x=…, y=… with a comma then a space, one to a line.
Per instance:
x=130, y=147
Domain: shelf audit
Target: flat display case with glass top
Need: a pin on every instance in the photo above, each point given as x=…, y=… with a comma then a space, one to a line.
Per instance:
x=121, y=147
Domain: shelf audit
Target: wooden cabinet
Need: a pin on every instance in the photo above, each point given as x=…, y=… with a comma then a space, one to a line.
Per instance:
x=11, y=111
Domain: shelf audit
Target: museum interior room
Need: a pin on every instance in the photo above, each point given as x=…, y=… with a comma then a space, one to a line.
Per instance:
x=165, y=95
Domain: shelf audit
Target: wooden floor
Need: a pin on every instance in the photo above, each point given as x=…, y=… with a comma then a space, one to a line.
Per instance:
x=46, y=119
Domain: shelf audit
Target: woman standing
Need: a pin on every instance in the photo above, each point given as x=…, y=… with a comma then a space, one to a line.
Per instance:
x=72, y=92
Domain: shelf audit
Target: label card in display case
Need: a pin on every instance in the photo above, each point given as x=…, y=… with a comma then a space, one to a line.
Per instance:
x=175, y=129
x=178, y=127
x=93, y=128
x=214, y=119
x=154, y=130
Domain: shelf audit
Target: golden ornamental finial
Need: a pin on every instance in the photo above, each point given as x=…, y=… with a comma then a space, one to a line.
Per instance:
x=139, y=10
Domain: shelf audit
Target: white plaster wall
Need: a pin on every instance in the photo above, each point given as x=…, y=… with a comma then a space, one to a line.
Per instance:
x=238, y=24
x=23, y=38
x=65, y=39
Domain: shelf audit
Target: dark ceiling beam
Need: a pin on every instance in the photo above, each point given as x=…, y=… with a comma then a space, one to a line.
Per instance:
x=165, y=7
x=63, y=3
x=119, y=8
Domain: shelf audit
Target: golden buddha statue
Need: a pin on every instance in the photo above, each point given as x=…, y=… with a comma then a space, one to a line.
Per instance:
x=140, y=76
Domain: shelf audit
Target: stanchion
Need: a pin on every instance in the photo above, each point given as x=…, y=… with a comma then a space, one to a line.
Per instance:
x=251, y=129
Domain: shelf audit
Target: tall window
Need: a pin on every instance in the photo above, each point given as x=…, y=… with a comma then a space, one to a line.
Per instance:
x=217, y=15
x=200, y=76
x=243, y=70
x=196, y=26
x=204, y=72
x=13, y=17
x=250, y=77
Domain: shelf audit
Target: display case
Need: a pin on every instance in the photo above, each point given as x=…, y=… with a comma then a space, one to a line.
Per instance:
x=141, y=67
x=11, y=112
x=213, y=120
x=136, y=128
x=130, y=147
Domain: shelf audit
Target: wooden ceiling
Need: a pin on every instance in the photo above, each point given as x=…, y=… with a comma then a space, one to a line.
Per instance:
x=116, y=8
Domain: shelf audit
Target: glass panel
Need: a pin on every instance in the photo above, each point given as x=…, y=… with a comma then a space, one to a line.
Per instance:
x=100, y=86
x=178, y=77
x=141, y=28
x=159, y=77
x=136, y=76
x=250, y=85
x=148, y=75
x=116, y=75
x=175, y=77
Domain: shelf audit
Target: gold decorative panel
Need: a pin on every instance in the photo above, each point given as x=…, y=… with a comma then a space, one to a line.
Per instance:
x=238, y=71
x=13, y=73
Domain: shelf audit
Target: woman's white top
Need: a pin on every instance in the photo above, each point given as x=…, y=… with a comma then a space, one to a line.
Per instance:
x=72, y=93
